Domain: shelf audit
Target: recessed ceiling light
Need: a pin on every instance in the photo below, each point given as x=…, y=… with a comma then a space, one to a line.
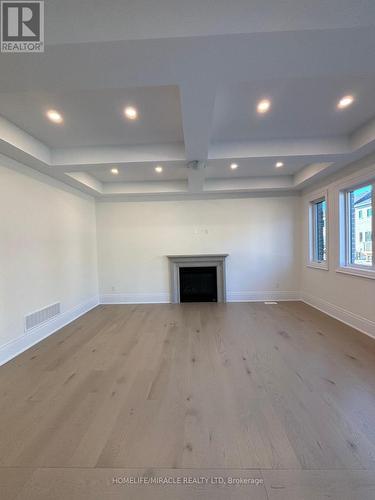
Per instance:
x=345, y=101
x=114, y=171
x=54, y=116
x=158, y=169
x=263, y=106
x=131, y=113
x=279, y=164
x=233, y=166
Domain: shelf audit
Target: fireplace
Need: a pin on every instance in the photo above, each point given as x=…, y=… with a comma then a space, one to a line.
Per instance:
x=198, y=284
x=197, y=278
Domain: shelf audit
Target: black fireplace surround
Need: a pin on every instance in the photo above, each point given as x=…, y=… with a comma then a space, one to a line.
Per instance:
x=198, y=284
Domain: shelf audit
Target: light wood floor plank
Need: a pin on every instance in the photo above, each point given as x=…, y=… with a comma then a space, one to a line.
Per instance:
x=192, y=387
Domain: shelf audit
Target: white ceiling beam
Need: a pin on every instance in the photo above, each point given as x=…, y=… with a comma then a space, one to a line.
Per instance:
x=128, y=20
x=14, y=137
x=280, y=148
x=309, y=173
x=363, y=136
x=196, y=179
x=117, y=154
x=197, y=107
x=150, y=187
x=88, y=181
x=177, y=61
x=239, y=184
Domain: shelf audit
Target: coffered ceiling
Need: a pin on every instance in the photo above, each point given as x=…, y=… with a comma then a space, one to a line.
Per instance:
x=194, y=74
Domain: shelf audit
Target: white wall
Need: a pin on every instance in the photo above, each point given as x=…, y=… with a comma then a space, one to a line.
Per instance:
x=261, y=236
x=49, y=236
x=47, y=248
x=349, y=298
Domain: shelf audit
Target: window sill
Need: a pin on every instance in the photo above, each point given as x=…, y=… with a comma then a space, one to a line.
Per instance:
x=362, y=273
x=317, y=265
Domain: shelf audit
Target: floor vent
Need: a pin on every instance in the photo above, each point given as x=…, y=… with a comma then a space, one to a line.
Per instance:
x=270, y=303
x=38, y=317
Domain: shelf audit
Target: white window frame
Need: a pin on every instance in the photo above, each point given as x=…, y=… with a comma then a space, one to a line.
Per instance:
x=345, y=264
x=313, y=200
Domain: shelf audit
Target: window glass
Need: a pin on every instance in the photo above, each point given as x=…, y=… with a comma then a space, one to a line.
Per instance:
x=360, y=226
x=320, y=231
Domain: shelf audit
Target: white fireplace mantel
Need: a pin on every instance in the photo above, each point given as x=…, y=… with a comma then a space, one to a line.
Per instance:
x=202, y=260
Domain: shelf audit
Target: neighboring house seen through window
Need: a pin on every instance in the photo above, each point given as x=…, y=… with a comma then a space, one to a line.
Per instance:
x=357, y=228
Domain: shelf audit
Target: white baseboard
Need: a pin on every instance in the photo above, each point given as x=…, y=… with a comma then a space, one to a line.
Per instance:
x=135, y=298
x=15, y=347
x=164, y=297
x=360, y=323
x=252, y=296
x=21, y=344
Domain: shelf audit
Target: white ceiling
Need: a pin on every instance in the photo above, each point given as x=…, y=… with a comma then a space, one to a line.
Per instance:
x=195, y=73
x=95, y=117
x=253, y=167
x=301, y=108
x=142, y=171
x=73, y=21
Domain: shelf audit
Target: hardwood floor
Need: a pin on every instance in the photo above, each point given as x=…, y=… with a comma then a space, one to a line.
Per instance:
x=279, y=394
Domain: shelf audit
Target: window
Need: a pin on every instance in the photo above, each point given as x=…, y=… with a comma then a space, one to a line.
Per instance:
x=357, y=229
x=318, y=232
x=360, y=250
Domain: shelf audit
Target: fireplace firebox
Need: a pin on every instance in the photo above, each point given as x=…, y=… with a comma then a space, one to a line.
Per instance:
x=198, y=284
